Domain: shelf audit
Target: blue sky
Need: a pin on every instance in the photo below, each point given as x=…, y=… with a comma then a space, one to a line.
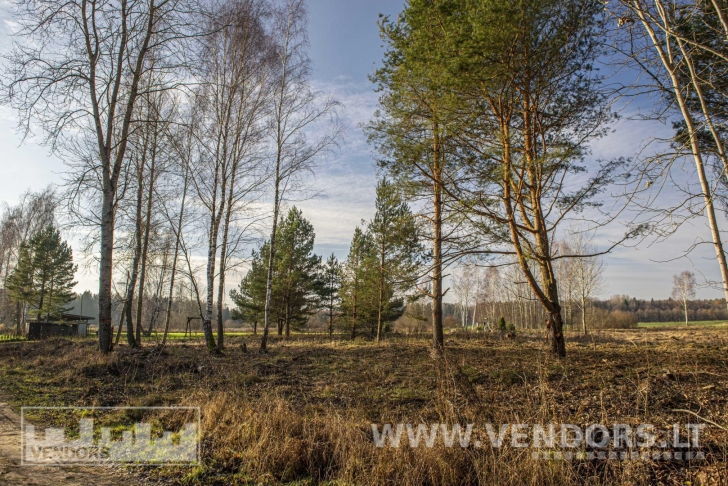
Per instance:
x=345, y=48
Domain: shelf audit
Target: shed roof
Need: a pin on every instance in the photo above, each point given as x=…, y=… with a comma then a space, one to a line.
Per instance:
x=76, y=317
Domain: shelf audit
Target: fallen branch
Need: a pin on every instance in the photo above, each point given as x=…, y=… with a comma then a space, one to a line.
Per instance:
x=701, y=418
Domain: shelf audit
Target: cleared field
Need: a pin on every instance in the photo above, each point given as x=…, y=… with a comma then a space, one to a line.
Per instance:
x=195, y=335
x=302, y=414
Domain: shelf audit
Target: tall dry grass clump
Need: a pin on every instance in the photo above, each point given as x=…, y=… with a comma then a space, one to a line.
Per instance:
x=268, y=440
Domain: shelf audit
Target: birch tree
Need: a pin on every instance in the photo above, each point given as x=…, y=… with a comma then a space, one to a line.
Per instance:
x=684, y=289
x=303, y=122
x=664, y=40
x=235, y=66
x=183, y=147
x=75, y=71
x=586, y=271
x=465, y=285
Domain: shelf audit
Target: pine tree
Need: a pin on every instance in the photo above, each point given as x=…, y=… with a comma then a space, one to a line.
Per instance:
x=330, y=289
x=357, y=286
x=396, y=251
x=44, y=275
x=414, y=131
x=61, y=273
x=297, y=280
x=493, y=104
x=20, y=282
x=249, y=299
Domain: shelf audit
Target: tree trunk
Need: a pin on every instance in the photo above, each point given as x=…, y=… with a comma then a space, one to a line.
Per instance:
x=271, y=257
x=438, y=339
x=128, y=304
x=19, y=314
x=380, y=324
x=583, y=314
x=331, y=318
x=178, y=234
x=135, y=262
x=106, y=256
x=210, y=273
x=555, y=331
x=42, y=297
x=223, y=260
x=145, y=250
x=220, y=299
x=356, y=294
x=221, y=286
x=215, y=218
x=223, y=268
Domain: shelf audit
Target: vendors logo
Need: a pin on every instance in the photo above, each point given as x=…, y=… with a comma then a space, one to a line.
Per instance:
x=111, y=435
x=554, y=441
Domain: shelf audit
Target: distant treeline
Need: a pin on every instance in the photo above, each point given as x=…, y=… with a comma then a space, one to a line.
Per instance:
x=619, y=311
x=666, y=310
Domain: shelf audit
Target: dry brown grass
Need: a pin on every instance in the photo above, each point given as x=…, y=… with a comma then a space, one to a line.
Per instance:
x=302, y=414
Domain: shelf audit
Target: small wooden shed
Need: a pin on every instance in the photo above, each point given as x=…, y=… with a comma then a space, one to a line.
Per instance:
x=70, y=325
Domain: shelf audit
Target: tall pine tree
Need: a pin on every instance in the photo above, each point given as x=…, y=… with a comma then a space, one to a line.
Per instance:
x=249, y=298
x=396, y=251
x=330, y=289
x=357, y=284
x=43, y=278
x=297, y=279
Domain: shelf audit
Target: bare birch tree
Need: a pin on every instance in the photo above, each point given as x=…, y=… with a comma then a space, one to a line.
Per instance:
x=76, y=68
x=684, y=289
x=182, y=142
x=659, y=43
x=586, y=271
x=297, y=111
x=235, y=69
x=465, y=285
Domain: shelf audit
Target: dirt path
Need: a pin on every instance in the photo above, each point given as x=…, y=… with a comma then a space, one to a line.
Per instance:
x=12, y=473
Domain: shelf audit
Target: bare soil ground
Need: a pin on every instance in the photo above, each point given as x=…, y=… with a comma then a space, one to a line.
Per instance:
x=12, y=473
x=302, y=414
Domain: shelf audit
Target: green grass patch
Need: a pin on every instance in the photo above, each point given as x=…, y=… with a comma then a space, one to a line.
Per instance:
x=11, y=338
x=682, y=324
